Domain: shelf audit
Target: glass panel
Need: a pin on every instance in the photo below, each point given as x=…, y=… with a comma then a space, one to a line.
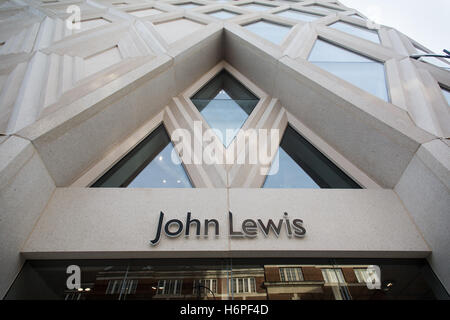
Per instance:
x=148, y=165
x=360, y=71
x=256, y=7
x=299, y=274
x=356, y=31
x=326, y=52
x=273, y=32
x=367, y=76
x=446, y=94
x=289, y=175
x=301, y=165
x=361, y=275
x=225, y=104
x=441, y=63
x=282, y=274
x=298, y=15
x=214, y=286
x=333, y=275
x=394, y=279
x=257, y=278
x=290, y=274
x=240, y=285
x=223, y=14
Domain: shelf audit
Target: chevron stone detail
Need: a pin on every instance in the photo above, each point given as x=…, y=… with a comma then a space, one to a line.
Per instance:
x=74, y=102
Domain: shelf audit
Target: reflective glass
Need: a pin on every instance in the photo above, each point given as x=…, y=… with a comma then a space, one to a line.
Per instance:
x=326, y=52
x=289, y=174
x=148, y=165
x=225, y=104
x=229, y=279
x=356, y=31
x=360, y=71
x=298, y=15
x=441, y=63
x=273, y=32
x=223, y=14
x=301, y=165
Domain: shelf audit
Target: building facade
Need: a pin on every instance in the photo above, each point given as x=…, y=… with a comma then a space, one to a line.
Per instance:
x=326, y=174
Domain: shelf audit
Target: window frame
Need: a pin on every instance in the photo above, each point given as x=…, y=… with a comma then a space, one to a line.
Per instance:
x=159, y=132
x=210, y=283
x=354, y=50
x=242, y=285
x=320, y=153
x=287, y=272
x=169, y=287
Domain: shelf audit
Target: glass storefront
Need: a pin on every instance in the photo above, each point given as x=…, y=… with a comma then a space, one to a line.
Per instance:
x=227, y=279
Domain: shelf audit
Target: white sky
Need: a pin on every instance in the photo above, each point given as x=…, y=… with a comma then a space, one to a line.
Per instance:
x=427, y=22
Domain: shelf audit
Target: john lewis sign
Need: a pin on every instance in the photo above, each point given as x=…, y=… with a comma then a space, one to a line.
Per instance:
x=249, y=228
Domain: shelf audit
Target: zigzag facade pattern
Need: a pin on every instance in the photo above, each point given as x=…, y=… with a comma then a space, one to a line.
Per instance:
x=73, y=102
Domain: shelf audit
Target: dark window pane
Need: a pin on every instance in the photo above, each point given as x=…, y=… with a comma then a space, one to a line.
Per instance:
x=301, y=165
x=322, y=279
x=222, y=14
x=225, y=104
x=148, y=165
x=271, y=31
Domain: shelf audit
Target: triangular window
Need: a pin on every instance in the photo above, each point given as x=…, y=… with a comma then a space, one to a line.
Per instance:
x=299, y=164
x=356, y=31
x=153, y=163
x=274, y=32
x=359, y=70
x=225, y=104
x=223, y=14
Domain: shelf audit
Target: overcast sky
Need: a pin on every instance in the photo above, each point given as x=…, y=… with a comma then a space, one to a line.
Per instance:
x=427, y=22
